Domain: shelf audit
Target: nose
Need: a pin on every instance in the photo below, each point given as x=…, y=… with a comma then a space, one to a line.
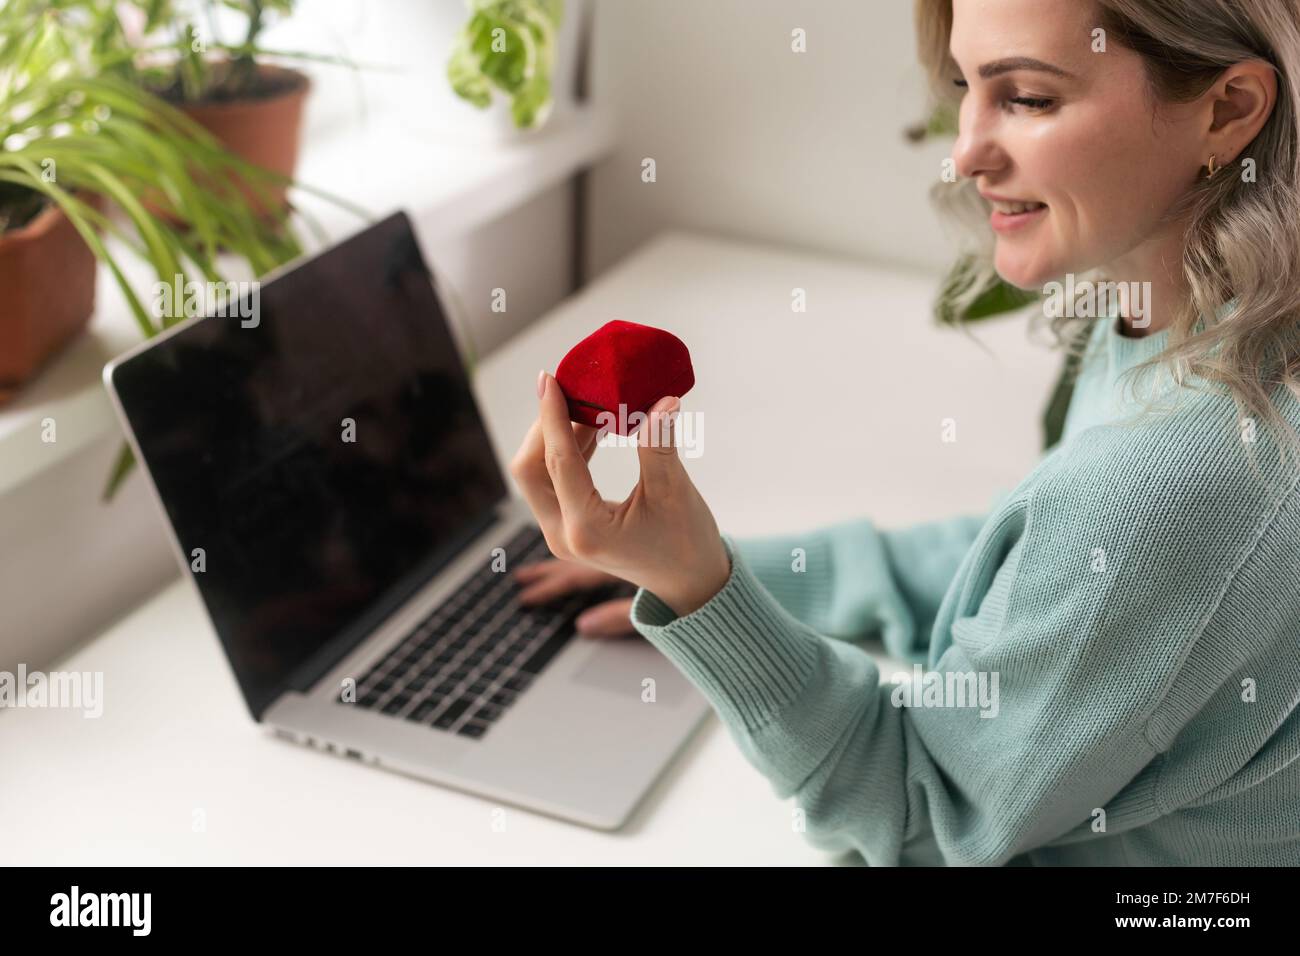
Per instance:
x=976, y=150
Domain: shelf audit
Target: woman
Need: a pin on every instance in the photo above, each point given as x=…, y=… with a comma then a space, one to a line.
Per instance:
x=1133, y=604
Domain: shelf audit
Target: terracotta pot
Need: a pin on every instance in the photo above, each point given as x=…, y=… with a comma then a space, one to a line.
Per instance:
x=47, y=295
x=265, y=131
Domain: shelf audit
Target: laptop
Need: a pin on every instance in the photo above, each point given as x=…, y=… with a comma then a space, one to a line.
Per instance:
x=333, y=495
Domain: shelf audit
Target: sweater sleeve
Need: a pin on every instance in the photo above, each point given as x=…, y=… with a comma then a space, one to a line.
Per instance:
x=854, y=580
x=1073, y=655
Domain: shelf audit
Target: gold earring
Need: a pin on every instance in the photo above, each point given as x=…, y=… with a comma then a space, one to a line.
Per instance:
x=1212, y=168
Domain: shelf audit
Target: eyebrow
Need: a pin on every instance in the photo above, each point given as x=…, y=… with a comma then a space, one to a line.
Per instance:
x=998, y=67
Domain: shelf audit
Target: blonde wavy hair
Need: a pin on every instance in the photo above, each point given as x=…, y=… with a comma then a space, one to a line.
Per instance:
x=1240, y=329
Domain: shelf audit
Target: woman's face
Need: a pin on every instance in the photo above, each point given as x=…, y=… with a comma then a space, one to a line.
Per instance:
x=1068, y=136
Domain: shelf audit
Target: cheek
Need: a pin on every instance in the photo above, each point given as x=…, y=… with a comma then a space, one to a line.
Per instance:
x=1103, y=178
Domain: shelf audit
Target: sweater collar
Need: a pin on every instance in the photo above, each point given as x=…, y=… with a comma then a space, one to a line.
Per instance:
x=1124, y=352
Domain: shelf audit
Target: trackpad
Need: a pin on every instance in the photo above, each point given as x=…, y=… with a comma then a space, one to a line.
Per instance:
x=623, y=665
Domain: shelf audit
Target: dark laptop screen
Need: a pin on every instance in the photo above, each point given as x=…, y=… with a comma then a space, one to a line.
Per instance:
x=325, y=460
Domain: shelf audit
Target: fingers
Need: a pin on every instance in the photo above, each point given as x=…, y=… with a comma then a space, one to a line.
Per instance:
x=546, y=581
x=526, y=573
x=543, y=581
x=611, y=619
x=551, y=470
x=547, y=589
x=565, y=463
x=587, y=439
x=529, y=470
x=529, y=464
x=657, y=444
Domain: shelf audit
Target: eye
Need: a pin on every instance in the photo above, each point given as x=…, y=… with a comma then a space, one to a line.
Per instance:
x=1030, y=102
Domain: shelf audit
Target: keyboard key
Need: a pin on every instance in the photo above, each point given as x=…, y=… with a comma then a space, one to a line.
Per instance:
x=422, y=710
x=488, y=713
x=542, y=656
x=465, y=646
x=431, y=672
x=451, y=714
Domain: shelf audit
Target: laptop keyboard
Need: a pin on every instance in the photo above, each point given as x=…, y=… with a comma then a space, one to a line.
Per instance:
x=462, y=667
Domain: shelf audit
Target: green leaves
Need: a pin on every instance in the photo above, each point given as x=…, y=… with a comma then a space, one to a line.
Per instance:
x=112, y=140
x=122, y=466
x=80, y=128
x=994, y=297
x=942, y=122
x=176, y=54
x=78, y=133
x=509, y=45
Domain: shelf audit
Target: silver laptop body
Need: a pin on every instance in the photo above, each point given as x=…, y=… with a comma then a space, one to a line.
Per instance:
x=581, y=739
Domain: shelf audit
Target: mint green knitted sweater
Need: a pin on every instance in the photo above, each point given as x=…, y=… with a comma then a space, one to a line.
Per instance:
x=1125, y=624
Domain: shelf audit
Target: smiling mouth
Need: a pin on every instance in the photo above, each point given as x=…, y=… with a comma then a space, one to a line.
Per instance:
x=1015, y=208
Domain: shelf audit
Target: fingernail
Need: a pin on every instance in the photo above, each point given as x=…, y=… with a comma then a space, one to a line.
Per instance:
x=582, y=621
x=541, y=383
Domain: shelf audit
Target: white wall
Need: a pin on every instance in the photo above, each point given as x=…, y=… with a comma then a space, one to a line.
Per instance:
x=752, y=140
x=531, y=245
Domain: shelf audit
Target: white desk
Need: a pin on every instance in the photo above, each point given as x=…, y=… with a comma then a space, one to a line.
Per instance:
x=175, y=744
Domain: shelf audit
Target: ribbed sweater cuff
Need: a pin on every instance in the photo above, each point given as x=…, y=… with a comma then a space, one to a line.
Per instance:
x=743, y=651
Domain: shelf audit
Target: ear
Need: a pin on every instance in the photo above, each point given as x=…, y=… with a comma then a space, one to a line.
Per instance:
x=1241, y=101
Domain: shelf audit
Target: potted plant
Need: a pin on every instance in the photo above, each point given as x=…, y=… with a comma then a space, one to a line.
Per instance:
x=508, y=47
x=254, y=108
x=47, y=274
x=76, y=139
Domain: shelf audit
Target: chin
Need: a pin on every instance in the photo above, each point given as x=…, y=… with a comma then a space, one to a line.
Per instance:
x=1022, y=272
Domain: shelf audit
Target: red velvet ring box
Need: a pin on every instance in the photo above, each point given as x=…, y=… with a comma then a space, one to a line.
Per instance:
x=623, y=364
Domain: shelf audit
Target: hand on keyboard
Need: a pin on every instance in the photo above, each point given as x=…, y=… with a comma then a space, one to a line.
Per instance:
x=547, y=580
